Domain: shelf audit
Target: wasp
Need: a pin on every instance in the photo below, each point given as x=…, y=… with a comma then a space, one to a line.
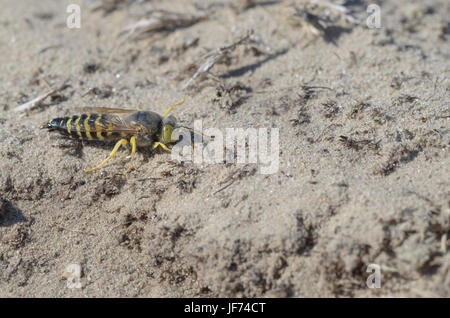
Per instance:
x=126, y=126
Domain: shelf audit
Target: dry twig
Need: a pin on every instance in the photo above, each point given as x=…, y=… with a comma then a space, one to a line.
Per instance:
x=214, y=56
x=339, y=8
x=161, y=21
x=108, y=6
x=35, y=102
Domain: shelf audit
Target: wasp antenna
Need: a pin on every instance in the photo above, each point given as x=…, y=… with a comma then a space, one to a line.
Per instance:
x=173, y=106
x=194, y=131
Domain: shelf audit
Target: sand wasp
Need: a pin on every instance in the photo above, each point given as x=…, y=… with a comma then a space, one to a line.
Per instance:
x=143, y=128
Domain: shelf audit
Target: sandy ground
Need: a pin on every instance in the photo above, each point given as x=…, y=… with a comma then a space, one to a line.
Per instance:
x=363, y=116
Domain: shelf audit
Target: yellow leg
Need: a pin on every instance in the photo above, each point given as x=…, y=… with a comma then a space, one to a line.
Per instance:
x=173, y=106
x=121, y=142
x=133, y=151
x=163, y=146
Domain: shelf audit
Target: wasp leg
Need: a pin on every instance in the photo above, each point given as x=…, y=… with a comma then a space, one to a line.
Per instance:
x=133, y=151
x=163, y=146
x=173, y=106
x=121, y=142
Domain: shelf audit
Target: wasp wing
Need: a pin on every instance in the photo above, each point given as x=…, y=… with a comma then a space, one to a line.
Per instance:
x=107, y=110
x=116, y=124
x=107, y=123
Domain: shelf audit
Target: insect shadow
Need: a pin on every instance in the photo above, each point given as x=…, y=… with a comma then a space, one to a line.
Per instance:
x=333, y=33
x=248, y=68
x=75, y=147
x=10, y=214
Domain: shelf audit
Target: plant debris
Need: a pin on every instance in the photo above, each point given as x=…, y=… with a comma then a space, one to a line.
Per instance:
x=231, y=96
x=161, y=21
x=34, y=103
x=214, y=56
x=246, y=171
x=359, y=144
x=109, y=6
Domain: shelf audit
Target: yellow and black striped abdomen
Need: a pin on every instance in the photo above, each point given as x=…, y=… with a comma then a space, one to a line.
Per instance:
x=84, y=126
